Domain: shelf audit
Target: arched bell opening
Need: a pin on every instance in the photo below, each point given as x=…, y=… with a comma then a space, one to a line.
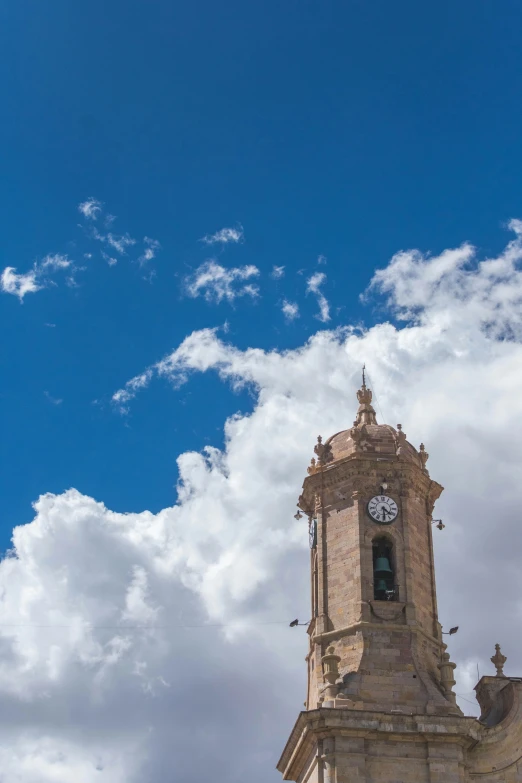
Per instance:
x=384, y=586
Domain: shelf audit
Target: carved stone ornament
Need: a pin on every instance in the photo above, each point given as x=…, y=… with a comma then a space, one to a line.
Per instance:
x=400, y=440
x=356, y=435
x=498, y=660
x=446, y=668
x=364, y=395
x=365, y=414
x=423, y=455
x=312, y=468
x=330, y=663
x=324, y=452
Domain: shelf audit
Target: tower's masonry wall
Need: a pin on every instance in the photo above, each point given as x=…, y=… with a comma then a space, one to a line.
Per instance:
x=391, y=668
x=419, y=557
x=391, y=761
x=348, y=564
x=343, y=566
x=315, y=677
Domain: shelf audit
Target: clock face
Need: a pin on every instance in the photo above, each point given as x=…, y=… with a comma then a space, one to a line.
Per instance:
x=312, y=530
x=383, y=509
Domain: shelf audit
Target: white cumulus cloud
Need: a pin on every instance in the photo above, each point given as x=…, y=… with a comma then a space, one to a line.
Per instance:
x=105, y=671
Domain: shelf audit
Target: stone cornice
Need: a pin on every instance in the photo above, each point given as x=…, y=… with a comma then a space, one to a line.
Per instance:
x=314, y=725
x=364, y=472
x=329, y=636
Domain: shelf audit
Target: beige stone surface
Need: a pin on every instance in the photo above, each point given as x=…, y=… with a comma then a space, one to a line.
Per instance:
x=380, y=704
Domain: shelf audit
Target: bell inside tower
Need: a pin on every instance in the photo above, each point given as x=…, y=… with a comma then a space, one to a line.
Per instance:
x=383, y=573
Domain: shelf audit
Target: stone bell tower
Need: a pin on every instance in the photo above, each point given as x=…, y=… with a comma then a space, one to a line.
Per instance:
x=380, y=704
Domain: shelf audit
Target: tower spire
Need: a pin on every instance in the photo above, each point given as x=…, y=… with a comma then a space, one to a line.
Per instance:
x=365, y=413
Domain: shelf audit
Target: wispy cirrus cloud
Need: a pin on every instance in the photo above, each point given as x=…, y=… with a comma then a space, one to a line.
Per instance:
x=277, y=272
x=151, y=248
x=91, y=208
x=110, y=259
x=122, y=397
x=35, y=279
x=119, y=242
x=42, y=273
x=55, y=261
x=290, y=310
x=216, y=283
x=53, y=400
x=225, y=236
x=313, y=286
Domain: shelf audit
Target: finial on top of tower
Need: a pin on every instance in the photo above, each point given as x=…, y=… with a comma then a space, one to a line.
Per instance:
x=364, y=394
x=424, y=456
x=498, y=660
x=323, y=451
x=365, y=414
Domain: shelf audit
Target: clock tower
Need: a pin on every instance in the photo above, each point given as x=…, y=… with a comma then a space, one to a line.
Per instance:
x=380, y=704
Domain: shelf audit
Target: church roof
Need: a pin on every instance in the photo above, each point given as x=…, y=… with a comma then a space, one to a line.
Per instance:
x=372, y=439
x=366, y=436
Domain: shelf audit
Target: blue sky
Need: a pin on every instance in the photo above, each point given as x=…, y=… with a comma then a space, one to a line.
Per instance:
x=343, y=129
x=325, y=137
